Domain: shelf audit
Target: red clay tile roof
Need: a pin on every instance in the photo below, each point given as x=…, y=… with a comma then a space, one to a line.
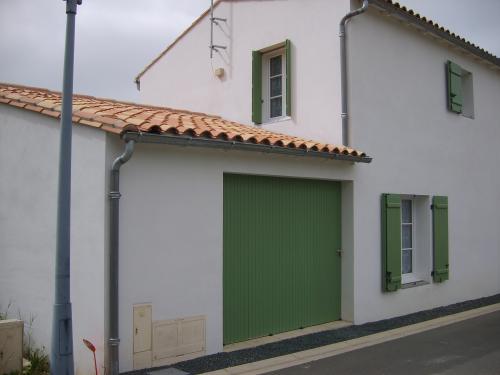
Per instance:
x=462, y=42
x=122, y=117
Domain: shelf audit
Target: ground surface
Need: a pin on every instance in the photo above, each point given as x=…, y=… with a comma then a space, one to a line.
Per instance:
x=315, y=340
x=471, y=347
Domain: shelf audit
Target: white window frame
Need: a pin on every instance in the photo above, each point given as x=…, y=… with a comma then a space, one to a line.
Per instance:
x=266, y=86
x=412, y=276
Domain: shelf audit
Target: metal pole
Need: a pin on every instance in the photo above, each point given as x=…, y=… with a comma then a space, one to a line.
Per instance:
x=61, y=359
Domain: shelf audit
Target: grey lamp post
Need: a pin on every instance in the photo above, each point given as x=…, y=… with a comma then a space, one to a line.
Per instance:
x=61, y=359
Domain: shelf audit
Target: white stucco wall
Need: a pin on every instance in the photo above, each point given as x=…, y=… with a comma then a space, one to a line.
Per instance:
x=399, y=116
x=29, y=145
x=171, y=236
x=183, y=77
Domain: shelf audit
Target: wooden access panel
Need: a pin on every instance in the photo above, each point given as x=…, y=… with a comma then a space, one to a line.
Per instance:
x=142, y=336
x=178, y=339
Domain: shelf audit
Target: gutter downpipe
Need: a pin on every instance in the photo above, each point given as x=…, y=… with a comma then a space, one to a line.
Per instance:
x=114, y=206
x=343, y=71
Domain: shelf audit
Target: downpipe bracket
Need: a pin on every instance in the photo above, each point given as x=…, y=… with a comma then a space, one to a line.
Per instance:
x=114, y=195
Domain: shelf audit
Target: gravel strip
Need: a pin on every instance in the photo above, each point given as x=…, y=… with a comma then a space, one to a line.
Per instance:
x=222, y=360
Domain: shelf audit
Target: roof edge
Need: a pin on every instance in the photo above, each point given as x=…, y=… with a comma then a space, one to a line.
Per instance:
x=176, y=40
x=421, y=22
x=174, y=127
x=103, y=99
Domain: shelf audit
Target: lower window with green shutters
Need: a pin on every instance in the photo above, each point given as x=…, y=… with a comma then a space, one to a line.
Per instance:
x=414, y=242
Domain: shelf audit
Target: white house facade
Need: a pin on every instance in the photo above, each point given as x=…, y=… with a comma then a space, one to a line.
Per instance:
x=219, y=244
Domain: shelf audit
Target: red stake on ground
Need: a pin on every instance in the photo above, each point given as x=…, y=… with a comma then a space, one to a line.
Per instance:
x=91, y=347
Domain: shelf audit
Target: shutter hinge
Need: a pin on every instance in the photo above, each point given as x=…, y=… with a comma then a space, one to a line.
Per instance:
x=340, y=252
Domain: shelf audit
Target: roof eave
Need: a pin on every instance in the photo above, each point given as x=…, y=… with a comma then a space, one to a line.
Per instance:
x=177, y=140
x=424, y=25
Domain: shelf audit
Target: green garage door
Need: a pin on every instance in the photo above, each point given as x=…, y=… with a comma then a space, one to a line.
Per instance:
x=281, y=267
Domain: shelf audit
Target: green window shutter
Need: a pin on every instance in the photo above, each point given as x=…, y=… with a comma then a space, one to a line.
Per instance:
x=455, y=95
x=440, y=270
x=257, y=87
x=391, y=242
x=288, y=53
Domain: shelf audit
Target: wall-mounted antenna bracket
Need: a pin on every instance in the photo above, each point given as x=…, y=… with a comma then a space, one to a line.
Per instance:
x=214, y=21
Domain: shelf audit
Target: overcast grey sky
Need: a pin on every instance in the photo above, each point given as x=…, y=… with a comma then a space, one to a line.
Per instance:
x=117, y=38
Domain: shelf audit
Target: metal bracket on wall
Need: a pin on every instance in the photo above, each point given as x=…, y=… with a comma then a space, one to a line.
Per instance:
x=214, y=21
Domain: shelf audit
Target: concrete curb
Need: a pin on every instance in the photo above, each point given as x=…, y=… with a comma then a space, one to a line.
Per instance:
x=295, y=359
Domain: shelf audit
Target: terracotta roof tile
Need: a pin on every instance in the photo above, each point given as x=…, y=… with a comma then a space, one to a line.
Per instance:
x=94, y=124
x=120, y=117
x=34, y=108
x=48, y=112
x=111, y=129
x=16, y=103
x=48, y=103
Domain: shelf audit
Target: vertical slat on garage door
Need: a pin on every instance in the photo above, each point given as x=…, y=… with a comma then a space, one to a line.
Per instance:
x=281, y=269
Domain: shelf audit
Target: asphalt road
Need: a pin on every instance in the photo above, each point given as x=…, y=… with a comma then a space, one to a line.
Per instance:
x=471, y=347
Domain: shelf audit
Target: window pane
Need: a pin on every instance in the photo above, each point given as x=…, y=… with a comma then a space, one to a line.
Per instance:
x=276, y=107
x=406, y=215
x=406, y=234
x=275, y=66
x=407, y=264
x=276, y=86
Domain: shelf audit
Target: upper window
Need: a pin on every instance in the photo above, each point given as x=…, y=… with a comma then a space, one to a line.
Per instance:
x=271, y=83
x=460, y=90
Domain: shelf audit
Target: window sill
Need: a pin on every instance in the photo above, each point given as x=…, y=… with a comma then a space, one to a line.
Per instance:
x=413, y=284
x=279, y=119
